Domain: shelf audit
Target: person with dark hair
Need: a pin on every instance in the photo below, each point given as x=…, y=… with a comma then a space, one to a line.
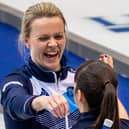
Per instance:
x=96, y=96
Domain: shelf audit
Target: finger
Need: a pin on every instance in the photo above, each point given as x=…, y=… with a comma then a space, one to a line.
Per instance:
x=54, y=107
x=106, y=59
x=62, y=108
x=101, y=57
x=65, y=105
x=110, y=61
x=59, y=111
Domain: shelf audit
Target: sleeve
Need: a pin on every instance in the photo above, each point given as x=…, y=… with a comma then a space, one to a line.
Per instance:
x=124, y=124
x=15, y=98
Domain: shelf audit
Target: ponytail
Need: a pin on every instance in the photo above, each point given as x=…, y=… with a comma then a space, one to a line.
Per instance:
x=98, y=82
x=108, y=107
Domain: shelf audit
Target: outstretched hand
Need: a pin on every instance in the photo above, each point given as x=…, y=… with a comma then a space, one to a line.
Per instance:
x=106, y=59
x=56, y=104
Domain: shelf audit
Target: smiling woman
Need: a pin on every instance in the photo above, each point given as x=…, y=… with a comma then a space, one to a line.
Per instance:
x=47, y=44
x=42, y=83
x=9, y=62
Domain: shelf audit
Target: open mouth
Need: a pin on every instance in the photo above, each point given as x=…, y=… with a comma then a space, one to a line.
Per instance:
x=51, y=54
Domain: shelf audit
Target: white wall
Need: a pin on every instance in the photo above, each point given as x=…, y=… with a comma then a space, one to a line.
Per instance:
x=79, y=8
x=77, y=13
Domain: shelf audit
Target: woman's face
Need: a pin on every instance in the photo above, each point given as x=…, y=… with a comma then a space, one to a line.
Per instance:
x=47, y=42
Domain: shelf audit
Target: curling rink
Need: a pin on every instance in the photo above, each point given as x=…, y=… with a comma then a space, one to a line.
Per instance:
x=101, y=28
x=10, y=60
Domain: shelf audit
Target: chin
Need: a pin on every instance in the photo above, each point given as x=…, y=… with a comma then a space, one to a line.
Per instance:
x=53, y=67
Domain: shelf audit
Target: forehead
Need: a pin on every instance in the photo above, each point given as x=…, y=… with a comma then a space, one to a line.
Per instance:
x=46, y=24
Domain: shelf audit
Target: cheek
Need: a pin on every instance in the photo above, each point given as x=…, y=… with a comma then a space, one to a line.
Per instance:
x=62, y=46
x=35, y=51
x=63, y=42
x=75, y=95
x=37, y=48
x=75, y=98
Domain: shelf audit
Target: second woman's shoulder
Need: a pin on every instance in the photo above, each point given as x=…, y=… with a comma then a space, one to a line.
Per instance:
x=124, y=124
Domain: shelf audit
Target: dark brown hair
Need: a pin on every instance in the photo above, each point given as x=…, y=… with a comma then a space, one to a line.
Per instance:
x=98, y=82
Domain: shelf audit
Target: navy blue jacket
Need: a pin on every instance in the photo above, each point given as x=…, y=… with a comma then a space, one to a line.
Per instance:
x=87, y=119
x=22, y=86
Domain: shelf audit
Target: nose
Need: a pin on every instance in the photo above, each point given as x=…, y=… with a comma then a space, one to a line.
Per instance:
x=52, y=43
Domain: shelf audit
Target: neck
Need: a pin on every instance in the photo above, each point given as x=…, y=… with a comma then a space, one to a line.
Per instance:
x=83, y=107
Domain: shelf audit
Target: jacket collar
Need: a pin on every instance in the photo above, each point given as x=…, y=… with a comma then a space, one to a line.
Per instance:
x=86, y=120
x=45, y=74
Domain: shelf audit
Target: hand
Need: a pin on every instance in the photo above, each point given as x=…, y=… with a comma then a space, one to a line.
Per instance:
x=56, y=104
x=106, y=59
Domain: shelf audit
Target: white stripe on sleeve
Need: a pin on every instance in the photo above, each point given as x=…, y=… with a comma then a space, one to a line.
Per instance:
x=11, y=83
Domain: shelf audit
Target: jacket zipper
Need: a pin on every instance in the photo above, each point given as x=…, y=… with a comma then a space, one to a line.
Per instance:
x=57, y=82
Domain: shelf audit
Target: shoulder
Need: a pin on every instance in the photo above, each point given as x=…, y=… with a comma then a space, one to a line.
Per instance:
x=19, y=73
x=124, y=124
x=72, y=70
x=69, y=72
x=18, y=77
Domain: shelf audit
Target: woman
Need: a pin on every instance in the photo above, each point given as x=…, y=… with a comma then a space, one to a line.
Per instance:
x=96, y=96
x=39, y=94
x=33, y=96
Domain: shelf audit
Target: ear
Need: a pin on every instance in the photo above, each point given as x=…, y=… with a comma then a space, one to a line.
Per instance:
x=27, y=43
x=80, y=96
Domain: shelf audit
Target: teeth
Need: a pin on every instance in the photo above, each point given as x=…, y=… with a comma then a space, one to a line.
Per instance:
x=51, y=53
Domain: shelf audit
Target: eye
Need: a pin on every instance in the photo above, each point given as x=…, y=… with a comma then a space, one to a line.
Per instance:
x=58, y=37
x=43, y=38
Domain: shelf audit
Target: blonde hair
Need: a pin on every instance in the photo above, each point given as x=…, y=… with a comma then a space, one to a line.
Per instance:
x=44, y=9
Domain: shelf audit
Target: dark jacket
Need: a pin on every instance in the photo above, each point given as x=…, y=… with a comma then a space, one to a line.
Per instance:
x=86, y=120
x=22, y=86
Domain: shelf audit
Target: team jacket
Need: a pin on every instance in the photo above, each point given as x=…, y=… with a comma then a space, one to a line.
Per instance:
x=87, y=119
x=21, y=87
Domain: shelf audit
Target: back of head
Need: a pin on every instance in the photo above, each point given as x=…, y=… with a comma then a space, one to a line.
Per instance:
x=98, y=82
